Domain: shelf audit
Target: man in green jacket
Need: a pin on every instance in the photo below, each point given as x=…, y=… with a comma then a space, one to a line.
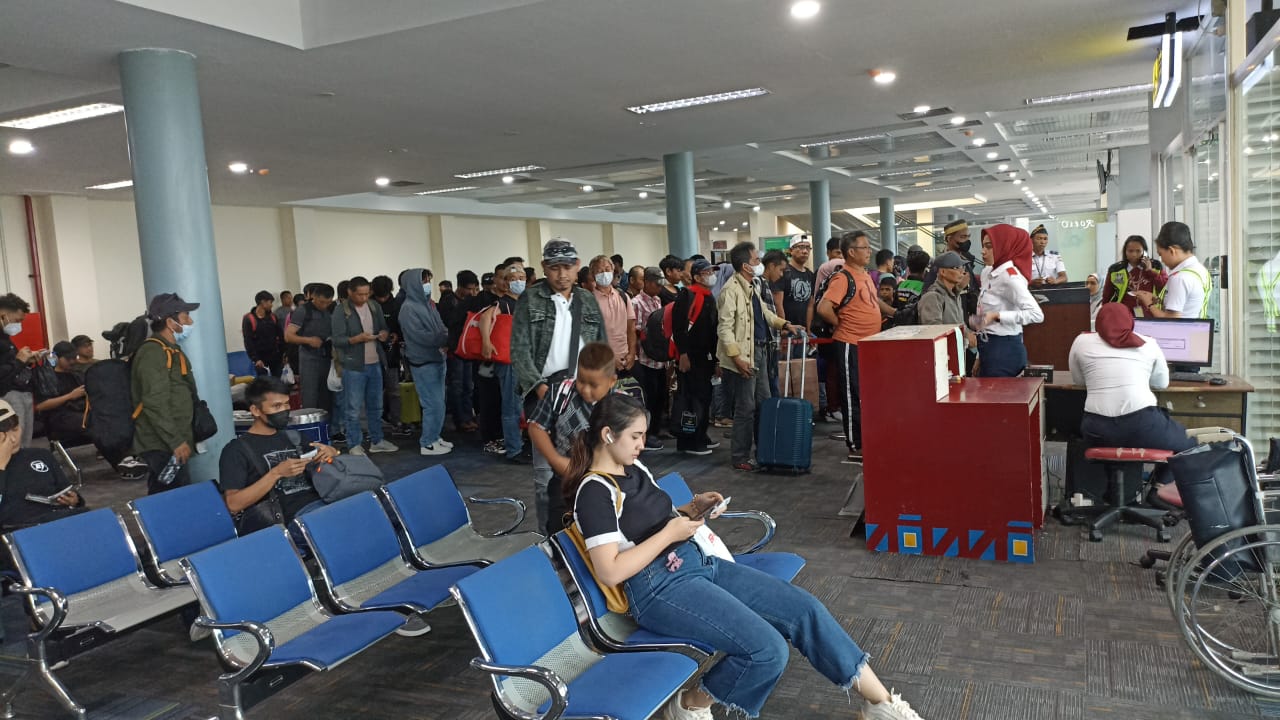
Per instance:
x=163, y=389
x=359, y=330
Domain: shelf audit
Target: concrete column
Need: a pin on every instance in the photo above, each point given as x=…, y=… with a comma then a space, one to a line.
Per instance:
x=820, y=212
x=682, y=217
x=763, y=224
x=888, y=229
x=175, y=226
x=924, y=218
x=537, y=233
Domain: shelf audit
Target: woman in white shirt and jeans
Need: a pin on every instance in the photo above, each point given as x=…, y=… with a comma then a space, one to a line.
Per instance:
x=1005, y=304
x=1118, y=368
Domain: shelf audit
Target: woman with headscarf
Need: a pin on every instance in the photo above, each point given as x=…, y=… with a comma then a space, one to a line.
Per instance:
x=1118, y=369
x=1004, y=304
x=1093, y=284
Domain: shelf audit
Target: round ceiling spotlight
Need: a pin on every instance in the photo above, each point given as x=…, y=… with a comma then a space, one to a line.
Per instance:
x=238, y=168
x=993, y=155
x=805, y=9
x=957, y=120
x=722, y=222
x=21, y=147
x=883, y=77
x=727, y=204
x=755, y=209
x=979, y=142
x=1017, y=182
x=382, y=181
x=1002, y=167
x=745, y=223
x=587, y=188
x=644, y=194
x=508, y=179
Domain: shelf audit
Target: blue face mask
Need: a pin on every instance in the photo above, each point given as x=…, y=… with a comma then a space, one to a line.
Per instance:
x=426, y=288
x=517, y=287
x=183, y=332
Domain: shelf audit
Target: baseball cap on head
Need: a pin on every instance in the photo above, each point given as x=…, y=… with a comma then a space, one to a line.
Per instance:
x=81, y=340
x=6, y=410
x=559, y=251
x=949, y=260
x=700, y=266
x=800, y=240
x=64, y=349
x=653, y=274
x=167, y=305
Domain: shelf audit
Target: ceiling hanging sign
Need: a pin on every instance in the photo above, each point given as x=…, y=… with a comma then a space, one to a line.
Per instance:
x=1166, y=74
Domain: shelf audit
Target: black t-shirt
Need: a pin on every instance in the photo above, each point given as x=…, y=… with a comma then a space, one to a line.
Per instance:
x=797, y=288
x=66, y=382
x=31, y=471
x=666, y=295
x=236, y=472
x=645, y=508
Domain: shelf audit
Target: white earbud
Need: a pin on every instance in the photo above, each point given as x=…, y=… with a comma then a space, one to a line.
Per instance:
x=608, y=438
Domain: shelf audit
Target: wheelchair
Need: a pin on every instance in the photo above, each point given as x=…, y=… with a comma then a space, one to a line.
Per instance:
x=1225, y=593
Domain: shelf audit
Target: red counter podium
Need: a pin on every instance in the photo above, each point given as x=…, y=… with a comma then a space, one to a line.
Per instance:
x=950, y=468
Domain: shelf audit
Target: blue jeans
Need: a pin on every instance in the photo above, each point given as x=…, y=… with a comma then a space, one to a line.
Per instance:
x=1002, y=356
x=461, y=390
x=512, y=406
x=748, y=615
x=363, y=389
x=429, y=381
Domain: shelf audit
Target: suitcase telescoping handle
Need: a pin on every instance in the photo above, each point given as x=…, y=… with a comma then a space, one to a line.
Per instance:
x=804, y=354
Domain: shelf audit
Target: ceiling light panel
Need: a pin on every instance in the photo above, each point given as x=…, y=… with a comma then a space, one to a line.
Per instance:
x=59, y=117
x=682, y=103
x=845, y=141
x=500, y=171
x=441, y=191
x=111, y=185
x=1090, y=94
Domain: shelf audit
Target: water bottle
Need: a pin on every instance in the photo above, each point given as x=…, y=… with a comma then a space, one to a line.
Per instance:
x=169, y=472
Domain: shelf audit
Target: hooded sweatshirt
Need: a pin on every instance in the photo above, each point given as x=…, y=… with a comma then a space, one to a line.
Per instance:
x=425, y=336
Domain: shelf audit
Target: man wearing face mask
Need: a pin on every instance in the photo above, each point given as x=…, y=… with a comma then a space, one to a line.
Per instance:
x=163, y=387
x=15, y=363
x=694, y=319
x=619, y=321
x=262, y=473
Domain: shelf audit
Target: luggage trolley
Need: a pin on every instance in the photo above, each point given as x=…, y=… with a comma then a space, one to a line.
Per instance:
x=1223, y=578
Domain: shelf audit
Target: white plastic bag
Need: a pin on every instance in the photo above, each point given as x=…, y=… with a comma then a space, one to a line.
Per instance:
x=286, y=375
x=711, y=544
x=335, y=380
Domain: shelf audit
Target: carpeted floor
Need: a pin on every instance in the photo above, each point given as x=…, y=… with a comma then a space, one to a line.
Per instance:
x=1083, y=633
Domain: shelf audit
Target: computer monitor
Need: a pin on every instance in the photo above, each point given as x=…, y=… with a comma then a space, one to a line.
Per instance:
x=1184, y=341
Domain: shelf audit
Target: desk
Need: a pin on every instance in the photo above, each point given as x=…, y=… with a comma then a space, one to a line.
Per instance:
x=1066, y=315
x=1192, y=404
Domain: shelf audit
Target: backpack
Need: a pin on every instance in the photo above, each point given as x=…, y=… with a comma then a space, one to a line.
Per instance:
x=659, y=341
x=127, y=337
x=109, y=411
x=908, y=314
x=821, y=327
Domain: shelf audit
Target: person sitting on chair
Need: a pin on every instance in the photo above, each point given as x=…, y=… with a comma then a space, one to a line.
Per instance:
x=1118, y=369
x=33, y=488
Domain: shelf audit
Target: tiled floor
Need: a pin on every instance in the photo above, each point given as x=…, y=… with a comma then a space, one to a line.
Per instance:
x=1083, y=633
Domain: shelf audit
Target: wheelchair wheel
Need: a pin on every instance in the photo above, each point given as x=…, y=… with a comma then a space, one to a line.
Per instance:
x=1229, y=608
x=1178, y=559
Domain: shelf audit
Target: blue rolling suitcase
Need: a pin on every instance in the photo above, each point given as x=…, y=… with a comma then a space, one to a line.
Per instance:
x=785, y=443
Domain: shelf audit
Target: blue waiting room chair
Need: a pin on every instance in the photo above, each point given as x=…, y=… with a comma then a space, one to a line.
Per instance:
x=177, y=523
x=544, y=669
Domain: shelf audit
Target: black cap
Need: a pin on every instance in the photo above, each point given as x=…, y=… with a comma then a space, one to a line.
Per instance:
x=64, y=349
x=167, y=305
x=486, y=279
x=81, y=340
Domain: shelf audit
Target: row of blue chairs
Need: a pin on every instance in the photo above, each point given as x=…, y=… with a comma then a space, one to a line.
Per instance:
x=85, y=582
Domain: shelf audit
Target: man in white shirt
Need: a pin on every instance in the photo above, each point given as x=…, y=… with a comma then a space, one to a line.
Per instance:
x=1186, y=295
x=1047, y=268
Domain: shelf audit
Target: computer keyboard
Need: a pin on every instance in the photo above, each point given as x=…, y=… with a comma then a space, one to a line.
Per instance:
x=1190, y=377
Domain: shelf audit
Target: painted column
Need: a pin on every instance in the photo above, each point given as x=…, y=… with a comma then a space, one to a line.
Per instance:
x=682, y=218
x=888, y=229
x=820, y=212
x=175, y=227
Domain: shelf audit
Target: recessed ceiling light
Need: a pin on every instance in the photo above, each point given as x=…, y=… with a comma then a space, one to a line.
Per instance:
x=500, y=171
x=883, y=77
x=58, y=117
x=111, y=185
x=843, y=141
x=382, y=181
x=979, y=142
x=957, y=120
x=644, y=194
x=805, y=9
x=1013, y=173
x=682, y=103
x=587, y=188
x=722, y=222
x=238, y=167
x=755, y=209
x=921, y=109
x=1002, y=167
x=1017, y=182
x=745, y=223
x=440, y=191
x=727, y=204
x=21, y=147
x=508, y=179
x=993, y=155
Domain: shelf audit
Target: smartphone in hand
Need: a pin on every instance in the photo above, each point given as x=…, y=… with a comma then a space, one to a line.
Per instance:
x=702, y=513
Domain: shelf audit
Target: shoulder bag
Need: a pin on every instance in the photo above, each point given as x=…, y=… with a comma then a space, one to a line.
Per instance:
x=615, y=598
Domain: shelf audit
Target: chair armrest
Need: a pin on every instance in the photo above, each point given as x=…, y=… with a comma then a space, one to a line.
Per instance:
x=261, y=634
x=770, y=527
x=60, y=609
x=517, y=504
x=557, y=688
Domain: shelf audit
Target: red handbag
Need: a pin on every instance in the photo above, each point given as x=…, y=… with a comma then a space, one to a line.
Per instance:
x=470, y=344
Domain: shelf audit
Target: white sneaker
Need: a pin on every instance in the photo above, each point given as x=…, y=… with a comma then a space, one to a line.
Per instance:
x=894, y=709
x=444, y=442
x=436, y=449
x=675, y=711
x=383, y=446
x=357, y=450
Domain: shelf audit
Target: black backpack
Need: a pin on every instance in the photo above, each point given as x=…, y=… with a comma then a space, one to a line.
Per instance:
x=908, y=314
x=655, y=343
x=822, y=328
x=127, y=337
x=109, y=411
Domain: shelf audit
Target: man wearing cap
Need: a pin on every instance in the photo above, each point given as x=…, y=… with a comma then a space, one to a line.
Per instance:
x=553, y=320
x=83, y=345
x=30, y=472
x=794, y=292
x=940, y=304
x=694, y=326
x=1047, y=268
x=652, y=374
x=162, y=384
